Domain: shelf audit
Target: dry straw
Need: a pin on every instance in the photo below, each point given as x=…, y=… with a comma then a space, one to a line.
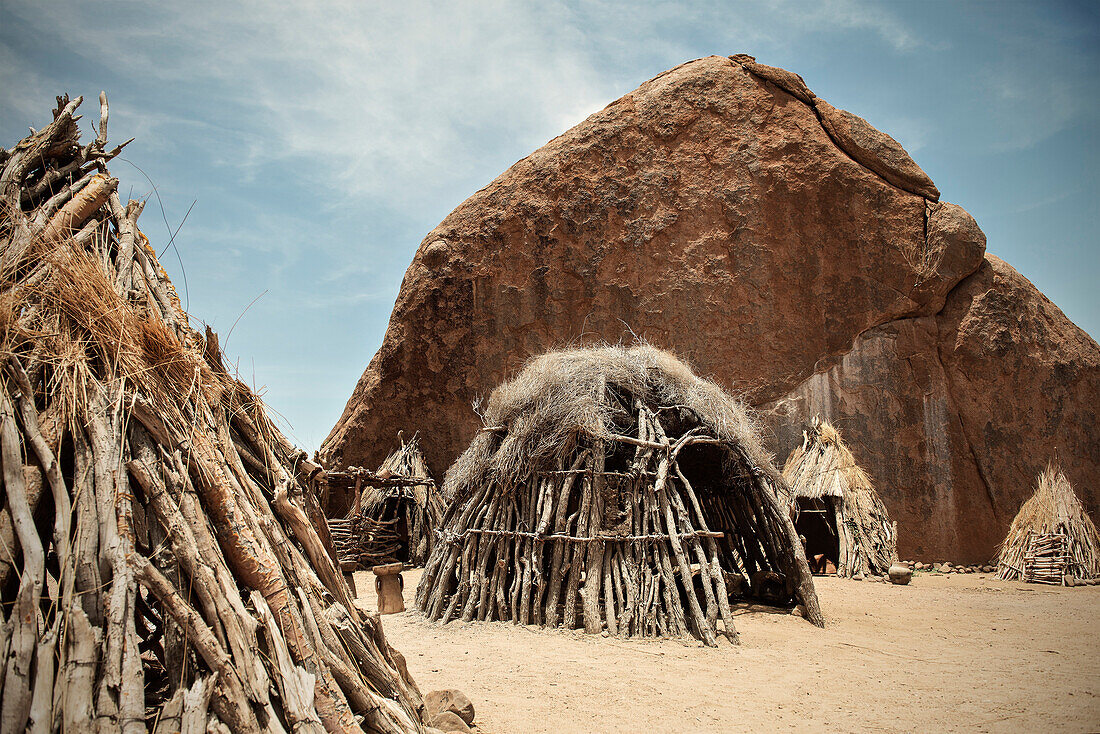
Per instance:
x=1052, y=539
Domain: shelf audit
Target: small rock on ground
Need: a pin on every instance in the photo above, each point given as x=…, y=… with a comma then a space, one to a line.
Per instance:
x=449, y=721
x=449, y=700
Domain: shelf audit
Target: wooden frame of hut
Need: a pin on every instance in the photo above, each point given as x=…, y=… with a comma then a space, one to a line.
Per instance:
x=614, y=489
x=836, y=508
x=1052, y=540
x=159, y=569
x=393, y=512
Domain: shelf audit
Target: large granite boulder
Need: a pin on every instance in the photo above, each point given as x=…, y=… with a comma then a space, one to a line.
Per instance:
x=955, y=414
x=712, y=212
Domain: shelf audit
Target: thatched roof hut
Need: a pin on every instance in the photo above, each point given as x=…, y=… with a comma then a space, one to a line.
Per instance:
x=614, y=488
x=1052, y=539
x=393, y=512
x=836, y=508
x=158, y=563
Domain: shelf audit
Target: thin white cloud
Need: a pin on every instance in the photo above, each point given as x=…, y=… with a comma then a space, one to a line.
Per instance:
x=20, y=87
x=380, y=98
x=373, y=96
x=856, y=15
x=1030, y=107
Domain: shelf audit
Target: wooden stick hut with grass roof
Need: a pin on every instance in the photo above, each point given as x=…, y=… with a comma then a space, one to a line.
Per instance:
x=613, y=489
x=1052, y=540
x=393, y=512
x=836, y=508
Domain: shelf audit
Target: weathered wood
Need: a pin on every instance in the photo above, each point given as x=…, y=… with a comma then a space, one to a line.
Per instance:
x=296, y=683
x=593, y=619
x=164, y=512
x=710, y=560
x=23, y=617
x=389, y=586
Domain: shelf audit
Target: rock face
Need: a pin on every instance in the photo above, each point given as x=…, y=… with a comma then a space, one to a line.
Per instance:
x=713, y=212
x=876, y=150
x=955, y=414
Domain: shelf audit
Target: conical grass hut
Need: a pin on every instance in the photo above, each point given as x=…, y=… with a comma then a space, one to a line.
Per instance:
x=416, y=506
x=836, y=508
x=614, y=489
x=159, y=569
x=394, y=511
x=1052, y=540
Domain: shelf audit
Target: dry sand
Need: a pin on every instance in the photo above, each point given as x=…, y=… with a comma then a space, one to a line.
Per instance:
x=946, y=653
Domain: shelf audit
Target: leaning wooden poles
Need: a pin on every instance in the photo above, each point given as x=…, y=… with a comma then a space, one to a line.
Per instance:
x=160, y=568
x=635, y=533
x=824, y=478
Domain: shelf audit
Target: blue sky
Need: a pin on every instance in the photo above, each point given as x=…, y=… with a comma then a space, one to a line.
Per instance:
x=319, y=142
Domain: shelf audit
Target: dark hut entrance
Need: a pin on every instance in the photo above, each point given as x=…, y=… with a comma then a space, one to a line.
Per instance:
x=612, y=489
x=815, y=521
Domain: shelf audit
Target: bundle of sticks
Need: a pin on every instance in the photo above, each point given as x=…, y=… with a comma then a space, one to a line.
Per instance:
x=160, y=568
x=365, y=541
x=616, y=537
x=1046, y=560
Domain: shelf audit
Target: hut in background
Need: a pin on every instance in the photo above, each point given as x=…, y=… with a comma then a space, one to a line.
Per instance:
x=836, y=508
x=1052, y=540
x=393, y=512
x=613, y=488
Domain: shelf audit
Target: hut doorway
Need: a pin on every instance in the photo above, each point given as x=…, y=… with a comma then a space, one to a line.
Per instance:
x=394, y=515
x=815, y=520
x=723, y=482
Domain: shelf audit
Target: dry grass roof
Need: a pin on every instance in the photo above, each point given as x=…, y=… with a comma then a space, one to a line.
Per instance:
x=560, y=394
x=823, y=466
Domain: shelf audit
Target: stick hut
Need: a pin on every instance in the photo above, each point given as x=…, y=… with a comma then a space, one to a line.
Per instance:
x=836, y=507
x=1052, y=540
x=614, y=489
x=158, y=565
x=394, y=511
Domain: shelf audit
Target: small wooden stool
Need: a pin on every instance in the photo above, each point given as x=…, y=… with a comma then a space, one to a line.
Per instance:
x=389, y=585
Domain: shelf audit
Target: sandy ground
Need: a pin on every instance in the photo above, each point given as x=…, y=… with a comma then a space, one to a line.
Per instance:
x=946, y=653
